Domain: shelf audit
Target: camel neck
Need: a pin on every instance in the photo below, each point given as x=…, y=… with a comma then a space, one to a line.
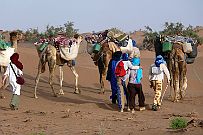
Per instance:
x=14, y=44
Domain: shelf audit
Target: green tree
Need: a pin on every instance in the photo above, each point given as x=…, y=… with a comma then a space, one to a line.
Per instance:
x=70, y=31
x=149, y=38
x=170, y=29
x=32, y=34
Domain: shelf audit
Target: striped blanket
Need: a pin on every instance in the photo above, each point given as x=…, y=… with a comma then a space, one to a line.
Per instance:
x=63, y=41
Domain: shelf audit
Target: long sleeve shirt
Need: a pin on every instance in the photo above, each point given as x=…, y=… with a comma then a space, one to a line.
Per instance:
x=159, y=77
x=12, y=78
x=128, y=65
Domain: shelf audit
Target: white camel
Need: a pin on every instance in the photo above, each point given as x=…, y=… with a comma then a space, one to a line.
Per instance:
x=6, y=54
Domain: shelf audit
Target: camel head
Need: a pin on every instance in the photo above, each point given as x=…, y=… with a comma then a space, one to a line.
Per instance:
x=79, y=38
x=13, y=36
x=16, y=36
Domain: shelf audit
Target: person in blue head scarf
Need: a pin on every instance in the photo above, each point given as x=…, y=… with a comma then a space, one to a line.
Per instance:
x=156, y=77
x=159, y=60
x=135, y=86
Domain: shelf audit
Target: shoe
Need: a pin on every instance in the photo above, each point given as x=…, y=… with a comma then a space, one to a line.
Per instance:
x=133, y=111
x=154, y=107
x=128, y=109
x=121, y=110
x=13, y=107
x=142, y=108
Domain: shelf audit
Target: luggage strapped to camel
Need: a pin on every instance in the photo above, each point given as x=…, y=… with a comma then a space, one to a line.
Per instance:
x=189, y=47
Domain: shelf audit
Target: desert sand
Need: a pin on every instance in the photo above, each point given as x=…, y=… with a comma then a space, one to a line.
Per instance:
x=90, y=113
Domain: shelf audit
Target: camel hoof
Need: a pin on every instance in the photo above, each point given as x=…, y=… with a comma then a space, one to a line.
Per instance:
x=101, y=92
x=176, y=100
x=77, y=91
x=2, y=97
x=61, y=93
x=55, y=95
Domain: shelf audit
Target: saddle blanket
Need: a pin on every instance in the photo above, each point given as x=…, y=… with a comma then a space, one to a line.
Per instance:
x=5, y=56
x=69, y=53
x=63, y=41
x=4, y=45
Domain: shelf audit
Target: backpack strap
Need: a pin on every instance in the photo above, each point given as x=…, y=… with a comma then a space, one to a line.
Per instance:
x=13, y=70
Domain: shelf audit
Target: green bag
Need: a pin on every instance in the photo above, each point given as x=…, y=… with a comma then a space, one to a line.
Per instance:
x=167, y=47
x=4, y=45
x=97, y=47
x=42, y=46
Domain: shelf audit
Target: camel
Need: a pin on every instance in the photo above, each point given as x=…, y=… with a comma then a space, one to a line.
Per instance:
x=102, y=57
x=53, y=58
x=177, y=68
x=6, y=54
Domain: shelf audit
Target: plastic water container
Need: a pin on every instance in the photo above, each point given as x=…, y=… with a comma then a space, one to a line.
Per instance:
x=167, y=47
x=42, y=46
x=97, y=47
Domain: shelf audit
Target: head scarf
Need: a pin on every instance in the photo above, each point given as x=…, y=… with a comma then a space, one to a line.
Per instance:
x=135, y=61
x=159, y=60
x=125, y=57
x=14, y=59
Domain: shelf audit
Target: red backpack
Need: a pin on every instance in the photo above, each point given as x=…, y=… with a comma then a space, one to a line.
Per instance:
x=120, y=71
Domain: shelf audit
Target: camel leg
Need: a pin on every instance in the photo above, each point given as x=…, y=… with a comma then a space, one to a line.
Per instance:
x=61, y=80
x=102, y=77
x=5, y=85
x=52, y=66
x=176, y=83
x=184, y=86
x=37, y=78
x=77, y=91
x=169, y=65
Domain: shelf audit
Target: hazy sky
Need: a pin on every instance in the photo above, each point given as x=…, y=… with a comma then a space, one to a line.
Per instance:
x=96, y=15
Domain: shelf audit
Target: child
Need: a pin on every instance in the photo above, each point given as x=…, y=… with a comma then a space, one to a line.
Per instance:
x=135, y=86
x=156, y=76
x=14, y=66
x=127, y=66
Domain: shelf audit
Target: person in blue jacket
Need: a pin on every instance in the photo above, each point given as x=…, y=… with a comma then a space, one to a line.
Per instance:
x=111, y=77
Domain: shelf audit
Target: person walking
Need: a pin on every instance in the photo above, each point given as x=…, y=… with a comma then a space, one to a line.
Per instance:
x=14, y=69
x=156, y=77
x=135, y=86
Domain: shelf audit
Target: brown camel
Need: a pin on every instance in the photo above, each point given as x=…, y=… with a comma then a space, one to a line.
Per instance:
x=53, y=58
x=14, y=38
x=177, y=68
x=101, y=59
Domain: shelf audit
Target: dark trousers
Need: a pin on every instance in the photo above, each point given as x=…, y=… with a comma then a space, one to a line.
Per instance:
x=133, y=90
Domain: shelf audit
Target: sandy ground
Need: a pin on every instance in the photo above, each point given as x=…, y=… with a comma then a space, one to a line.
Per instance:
x=91, y=113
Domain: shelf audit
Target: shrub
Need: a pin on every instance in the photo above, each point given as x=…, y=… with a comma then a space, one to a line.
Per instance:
x=178, y=123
